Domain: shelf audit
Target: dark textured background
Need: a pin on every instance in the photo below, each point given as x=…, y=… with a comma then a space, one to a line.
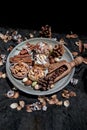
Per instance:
x=56, y=117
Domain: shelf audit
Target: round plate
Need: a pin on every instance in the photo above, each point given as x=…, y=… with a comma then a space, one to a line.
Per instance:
x=28, y=89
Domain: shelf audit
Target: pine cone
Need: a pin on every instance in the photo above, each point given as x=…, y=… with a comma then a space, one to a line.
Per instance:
x=46, y=31
x=58, y=51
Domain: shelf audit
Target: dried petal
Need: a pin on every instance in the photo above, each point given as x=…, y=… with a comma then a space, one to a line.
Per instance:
x=31, y=35
x=80, y=45
x=3, y=75
x=41, y=99
x=85, y=45
x=74, y=81
x=22, y=103
x=66, y=103
x=59, y=103
x=74, y=53
x=65, y=95
x=14, y=105
x=44, y=108
x=16, y=95
x=10, y=48
x=1, y=63
x=28, y=108
x=71, y=94
x=19, y=108
x=54, y=96
x=85, y=60
x=51, y=101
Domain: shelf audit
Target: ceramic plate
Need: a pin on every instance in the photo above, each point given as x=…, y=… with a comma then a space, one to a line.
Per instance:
x=28, y=89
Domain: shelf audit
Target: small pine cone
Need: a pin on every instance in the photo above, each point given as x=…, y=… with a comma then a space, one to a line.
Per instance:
x=58, y=51
x=46, y=31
